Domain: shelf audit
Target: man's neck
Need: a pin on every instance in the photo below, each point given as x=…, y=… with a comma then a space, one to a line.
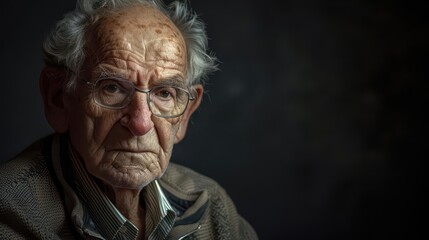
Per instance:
x=127, y=201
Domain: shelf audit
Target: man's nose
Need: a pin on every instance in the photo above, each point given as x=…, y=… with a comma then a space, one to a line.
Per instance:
x=138, y=118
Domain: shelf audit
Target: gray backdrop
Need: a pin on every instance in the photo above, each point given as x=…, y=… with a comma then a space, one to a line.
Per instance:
x=314, y=125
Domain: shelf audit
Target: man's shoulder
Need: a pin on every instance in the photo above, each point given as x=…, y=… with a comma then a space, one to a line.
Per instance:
x=30, y=203
x=186, y=180
x=24, y=168
x=222, y=220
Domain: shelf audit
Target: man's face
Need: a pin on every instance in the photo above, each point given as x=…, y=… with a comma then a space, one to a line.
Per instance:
x=127, y=148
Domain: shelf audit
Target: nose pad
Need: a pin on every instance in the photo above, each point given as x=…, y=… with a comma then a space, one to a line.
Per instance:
x=138, y=117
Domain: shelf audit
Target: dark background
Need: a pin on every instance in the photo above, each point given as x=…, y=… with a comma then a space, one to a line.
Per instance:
x=315, y=124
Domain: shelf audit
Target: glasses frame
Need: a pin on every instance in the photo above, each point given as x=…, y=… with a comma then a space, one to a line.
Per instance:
x=93, y=85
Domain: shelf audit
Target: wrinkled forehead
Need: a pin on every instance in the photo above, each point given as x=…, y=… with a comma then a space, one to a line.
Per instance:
x=142, y=30
x=136, y=18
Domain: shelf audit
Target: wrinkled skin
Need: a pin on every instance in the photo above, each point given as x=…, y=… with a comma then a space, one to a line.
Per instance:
x=126, y=149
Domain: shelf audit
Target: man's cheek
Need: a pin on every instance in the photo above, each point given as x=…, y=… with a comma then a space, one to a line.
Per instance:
x=166, y=132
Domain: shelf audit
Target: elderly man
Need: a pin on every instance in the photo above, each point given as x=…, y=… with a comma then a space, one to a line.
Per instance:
x=122, y=79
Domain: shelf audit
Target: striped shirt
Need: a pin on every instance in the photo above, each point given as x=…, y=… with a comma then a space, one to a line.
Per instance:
x=103, y=220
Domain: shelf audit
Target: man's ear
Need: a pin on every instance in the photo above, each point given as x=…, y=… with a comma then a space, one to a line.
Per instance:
x=51, y=83
x=192, y=106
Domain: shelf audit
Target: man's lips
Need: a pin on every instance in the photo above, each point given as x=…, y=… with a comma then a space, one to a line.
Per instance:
x=131, y=150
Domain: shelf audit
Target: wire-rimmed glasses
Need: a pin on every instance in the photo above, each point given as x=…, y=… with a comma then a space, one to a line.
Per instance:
x=164, y=101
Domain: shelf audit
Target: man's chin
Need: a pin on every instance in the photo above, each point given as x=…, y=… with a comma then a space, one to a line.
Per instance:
x=128, y=178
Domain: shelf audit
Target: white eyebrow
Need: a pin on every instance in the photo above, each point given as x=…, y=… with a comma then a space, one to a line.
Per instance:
x=105, y=73
x=173, y=81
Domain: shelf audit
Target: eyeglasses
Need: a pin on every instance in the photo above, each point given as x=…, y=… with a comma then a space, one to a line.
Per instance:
x=163, y=101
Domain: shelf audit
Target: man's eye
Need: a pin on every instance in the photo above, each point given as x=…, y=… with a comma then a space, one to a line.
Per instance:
x=111, y=88
x=165, y=93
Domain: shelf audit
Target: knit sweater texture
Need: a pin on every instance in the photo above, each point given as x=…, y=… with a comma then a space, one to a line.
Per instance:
x=33, y=201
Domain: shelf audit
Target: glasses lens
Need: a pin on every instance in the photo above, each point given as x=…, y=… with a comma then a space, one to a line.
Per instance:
x=113, y=93
x=165, y=101
x=168, y=101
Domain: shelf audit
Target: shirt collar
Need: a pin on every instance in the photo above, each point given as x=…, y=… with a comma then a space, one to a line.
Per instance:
x=110, y=223
x=160, y=216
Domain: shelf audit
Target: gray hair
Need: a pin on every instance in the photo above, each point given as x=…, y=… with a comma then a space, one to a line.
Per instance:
x=65, y=45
